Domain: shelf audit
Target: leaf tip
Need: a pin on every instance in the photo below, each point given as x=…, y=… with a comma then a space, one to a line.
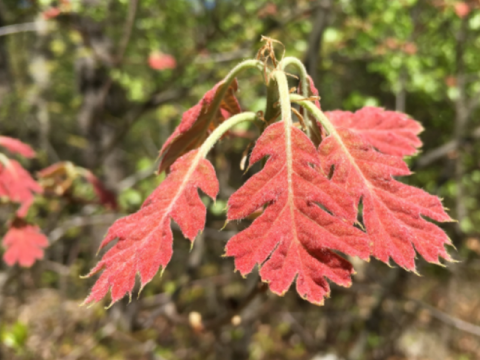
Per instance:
x=224, y=225
x=416, y=272
x=318, y=303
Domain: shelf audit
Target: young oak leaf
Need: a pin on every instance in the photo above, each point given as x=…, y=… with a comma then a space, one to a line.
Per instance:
x=17, y=185
x=389, y=132
x=392, y=211
x=316, y=129
x=24, y=244
x=16, y=147
x=294, y=237
x=312, y=91
x=145, y=237
x=197, y=121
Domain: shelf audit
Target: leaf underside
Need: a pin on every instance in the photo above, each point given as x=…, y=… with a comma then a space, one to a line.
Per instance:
x=197, y=122
x=305, y=217
x=294, y=237
x=389, y=132
x=393, y=212
x=145, y=237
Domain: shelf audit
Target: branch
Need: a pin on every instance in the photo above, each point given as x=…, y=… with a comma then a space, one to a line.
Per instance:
x=77, y=221
x=132, y=11
x=320, y=23
x=441, y=151
x=449, y=319
x=17, y=28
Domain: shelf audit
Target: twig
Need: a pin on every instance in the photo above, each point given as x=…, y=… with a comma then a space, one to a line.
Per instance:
x=132, y=11
x=441, y=151
x=131, y=180
x=17, y=28
x=77, y=221
x=449, y=319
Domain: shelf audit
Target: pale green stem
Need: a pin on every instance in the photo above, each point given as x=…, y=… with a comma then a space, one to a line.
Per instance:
x=4, y=160
x=315, y=111
x=284, y=97
x=224, y=127
x=293, y=61
x=302, y=71
x=247, y=64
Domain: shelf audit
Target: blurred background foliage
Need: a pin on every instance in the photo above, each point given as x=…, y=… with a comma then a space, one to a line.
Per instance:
x=102, y=83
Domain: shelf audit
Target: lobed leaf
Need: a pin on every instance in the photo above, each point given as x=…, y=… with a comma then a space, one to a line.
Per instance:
x=24, y=244
x=392, y=211
x=198, y=121
x=294, y=237
x=16, y=147
x=145, y=237
x=390, y=132
x=17, y=185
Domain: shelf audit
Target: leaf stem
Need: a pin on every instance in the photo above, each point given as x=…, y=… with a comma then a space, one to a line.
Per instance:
x=315, y=111
x=312, y=130
x=301, y=69
x=247, y=64
x=224, y=127
x=284, y=94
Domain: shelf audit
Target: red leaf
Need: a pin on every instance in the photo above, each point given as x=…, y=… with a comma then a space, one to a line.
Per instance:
x=294, y=236
x=159, y=61
x=313, y=91
x=105, y=196
x=390, y=132
x=17, y=185
x=24, y=244
x=196, y=123
x=16, y=146
x=392, y=211
x=462, y=9
x=51, y=13
x=316, y=129
x=269, y=10
x=145, y=238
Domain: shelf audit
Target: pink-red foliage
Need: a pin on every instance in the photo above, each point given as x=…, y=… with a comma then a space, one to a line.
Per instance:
x=145, y=237
x=462, y=9
x=24, y=244
x=198, y=121
x=305, y=202
x=17, y=185
x=392, y=211
x=159, y=61
x=51, y=13
x=16, y=147
x=390, y=132
x=294, y=236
